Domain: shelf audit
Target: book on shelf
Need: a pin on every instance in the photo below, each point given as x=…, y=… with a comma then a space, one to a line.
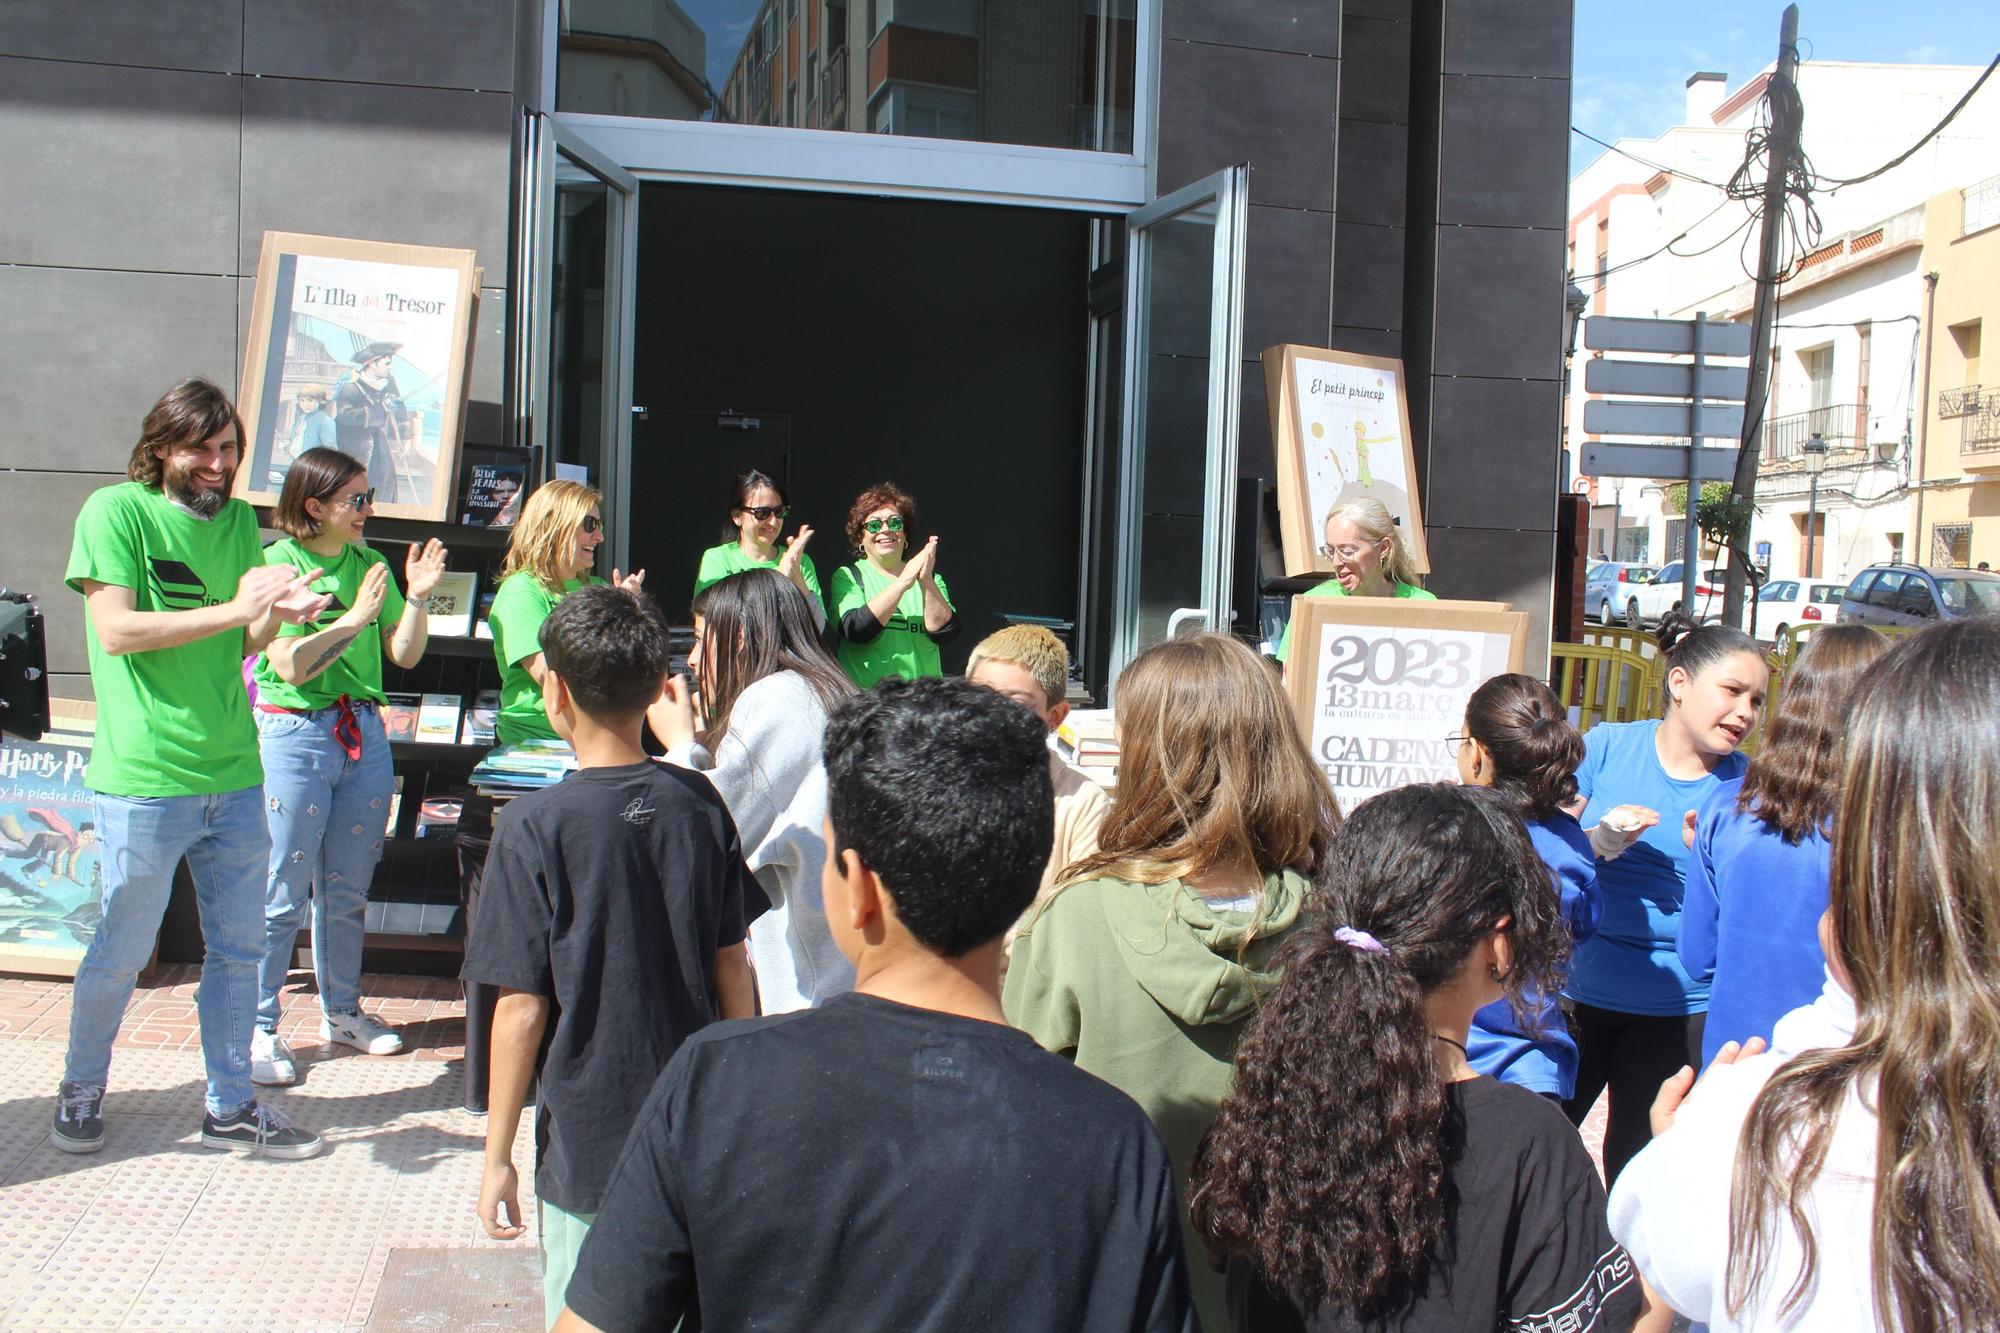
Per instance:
x=399, y=715
x=450, y=604
x=395, y=808
x=510, y=770
x=438, y=816
x=437, y=719
x=1088, y=738
x=482, y=627
x=480, y=718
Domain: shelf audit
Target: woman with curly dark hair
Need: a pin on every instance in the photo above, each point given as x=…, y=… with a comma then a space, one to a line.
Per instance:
x=892, y=608
x=1360, y=1173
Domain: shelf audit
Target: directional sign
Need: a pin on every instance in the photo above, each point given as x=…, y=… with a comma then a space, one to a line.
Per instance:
x=1657, y=462
x=1607, y=333
x=1665, y=379
x=1610, y=416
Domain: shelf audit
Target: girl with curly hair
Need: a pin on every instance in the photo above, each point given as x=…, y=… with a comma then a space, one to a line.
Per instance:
x=1360, y=1174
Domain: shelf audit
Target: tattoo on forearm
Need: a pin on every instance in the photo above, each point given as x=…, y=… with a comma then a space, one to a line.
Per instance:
x=330, y=650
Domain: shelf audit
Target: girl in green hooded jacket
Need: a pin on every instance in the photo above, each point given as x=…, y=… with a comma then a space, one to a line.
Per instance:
x=1145, y=966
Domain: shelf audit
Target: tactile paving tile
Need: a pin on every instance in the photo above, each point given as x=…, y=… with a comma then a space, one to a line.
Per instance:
x=484, y=1290
x=158, y=1232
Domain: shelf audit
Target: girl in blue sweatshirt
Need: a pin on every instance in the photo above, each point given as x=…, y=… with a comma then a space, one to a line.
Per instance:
x=1519, y=742
x=1757, y=874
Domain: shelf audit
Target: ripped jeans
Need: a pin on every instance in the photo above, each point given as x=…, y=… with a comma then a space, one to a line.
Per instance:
x=327, y=814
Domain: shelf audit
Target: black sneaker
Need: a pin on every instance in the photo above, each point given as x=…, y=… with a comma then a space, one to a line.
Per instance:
x=79, y=1126
x=263, y=1130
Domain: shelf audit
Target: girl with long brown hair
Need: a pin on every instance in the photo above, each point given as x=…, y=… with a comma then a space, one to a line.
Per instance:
x=1850, y=1182
x=1146, y=965
x=1361, y=1174
x=1757, y=875
x=765, y=687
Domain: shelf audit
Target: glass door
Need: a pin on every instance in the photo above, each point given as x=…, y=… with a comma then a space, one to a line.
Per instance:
x=1183, y=373
x=586, y=250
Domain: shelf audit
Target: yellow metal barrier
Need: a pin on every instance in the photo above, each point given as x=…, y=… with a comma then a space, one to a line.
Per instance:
x=1603, y=682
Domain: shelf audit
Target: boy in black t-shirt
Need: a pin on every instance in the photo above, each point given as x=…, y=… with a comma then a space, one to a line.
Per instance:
x=612, y=915
x=898, y=1158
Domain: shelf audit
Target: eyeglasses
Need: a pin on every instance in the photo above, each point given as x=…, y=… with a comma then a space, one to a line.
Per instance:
x=357, y=501
x=894, y=523
x=765, y=513
x=1457, y=740
x=1346, y=550
x=592, y=523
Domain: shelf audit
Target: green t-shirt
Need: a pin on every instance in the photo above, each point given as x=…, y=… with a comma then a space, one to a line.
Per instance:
x=719, y=562
x=902, y=648
x=357, y=673
x=173, y=721
x=1332, y=588
x=519, y=608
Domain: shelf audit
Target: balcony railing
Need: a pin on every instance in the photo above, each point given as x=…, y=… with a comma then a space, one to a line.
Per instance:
x=1961, y=401
x=1841, y=426
x=1978, y=427
x=833, y=81
x=1982, y=206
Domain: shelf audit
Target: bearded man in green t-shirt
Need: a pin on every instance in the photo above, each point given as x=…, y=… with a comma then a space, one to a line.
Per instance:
x=176, y=594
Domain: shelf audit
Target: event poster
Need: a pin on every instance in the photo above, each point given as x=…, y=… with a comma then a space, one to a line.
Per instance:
x=362, y=348
x=50, y=883
x=1343, y=433
x=1381, y=685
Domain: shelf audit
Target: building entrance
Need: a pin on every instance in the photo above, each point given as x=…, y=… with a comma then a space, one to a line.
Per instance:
x=839, y=340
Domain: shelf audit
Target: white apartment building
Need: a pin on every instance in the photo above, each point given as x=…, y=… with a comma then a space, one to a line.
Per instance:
x=1651, y=234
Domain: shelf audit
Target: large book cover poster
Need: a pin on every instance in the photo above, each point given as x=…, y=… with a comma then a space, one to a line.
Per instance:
x=50, y=881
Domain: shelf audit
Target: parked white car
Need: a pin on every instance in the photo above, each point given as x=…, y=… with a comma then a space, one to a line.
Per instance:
x=1787, y=602
x=1644, y=603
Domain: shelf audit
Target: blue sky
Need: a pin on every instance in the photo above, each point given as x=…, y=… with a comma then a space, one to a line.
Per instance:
x=1633, y=57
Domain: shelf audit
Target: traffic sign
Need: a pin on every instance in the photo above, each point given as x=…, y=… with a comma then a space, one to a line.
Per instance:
x=1611, y=416
x=1665, y=379
x=1616, y=333
x=1658, y=462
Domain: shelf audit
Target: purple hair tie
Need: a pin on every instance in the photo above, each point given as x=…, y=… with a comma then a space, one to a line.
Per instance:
x=1360, y=939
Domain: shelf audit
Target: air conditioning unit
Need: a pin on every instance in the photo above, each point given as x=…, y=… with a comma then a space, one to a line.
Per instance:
x=1885, y=450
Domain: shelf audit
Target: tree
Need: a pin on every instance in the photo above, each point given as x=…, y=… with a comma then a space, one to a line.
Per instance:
x=1722, y=516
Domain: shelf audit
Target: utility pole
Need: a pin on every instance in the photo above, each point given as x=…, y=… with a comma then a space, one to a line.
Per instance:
x=1787, y=114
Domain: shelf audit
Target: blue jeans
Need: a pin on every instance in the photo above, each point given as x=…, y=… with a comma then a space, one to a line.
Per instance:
x=142, y=840
x=327, y=815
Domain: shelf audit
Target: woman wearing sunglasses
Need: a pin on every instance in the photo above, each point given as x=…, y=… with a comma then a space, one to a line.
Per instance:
x=757, y=514
x=327, y=772
x=893, y=611
x=1370, y=558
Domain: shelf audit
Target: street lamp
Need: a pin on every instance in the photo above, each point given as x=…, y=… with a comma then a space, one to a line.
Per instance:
x=1815, y=452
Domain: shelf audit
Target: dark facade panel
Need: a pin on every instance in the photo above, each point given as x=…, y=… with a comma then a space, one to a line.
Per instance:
x=1513, y=565
x=1506, y=149
x=1367, y=275
x=1499, y=302
x=1367, y=342
x=1377, y=86
x=421, y=43
x=413, y=165
x=1529, y=38
x=1271, y=25
x=38, y=515
x=1222, y=105
x=1373, y=172
x=89, y=351
x=1501, y=436
x=159, y=34
x=1255, y=453
x=1288, y=260
x=111, y=167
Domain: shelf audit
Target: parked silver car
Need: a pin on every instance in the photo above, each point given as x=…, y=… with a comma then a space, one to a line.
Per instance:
x=1605, y=588
x=1917, y=595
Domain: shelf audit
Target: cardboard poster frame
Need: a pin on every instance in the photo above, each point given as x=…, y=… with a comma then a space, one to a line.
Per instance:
x=1305, y=673
x=1299, y=526
x=454, y=379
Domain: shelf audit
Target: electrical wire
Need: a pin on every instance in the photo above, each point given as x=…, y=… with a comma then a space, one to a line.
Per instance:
x=1668, y=248
x=1833, y=183
x=1645, y=162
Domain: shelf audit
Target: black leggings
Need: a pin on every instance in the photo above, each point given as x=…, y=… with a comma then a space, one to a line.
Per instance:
x=1633, y=1054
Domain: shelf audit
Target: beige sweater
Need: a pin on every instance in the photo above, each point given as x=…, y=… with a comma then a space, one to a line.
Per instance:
x=1080, y=807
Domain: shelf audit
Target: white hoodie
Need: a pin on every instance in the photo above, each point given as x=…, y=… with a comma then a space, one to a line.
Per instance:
x=1670, y=1208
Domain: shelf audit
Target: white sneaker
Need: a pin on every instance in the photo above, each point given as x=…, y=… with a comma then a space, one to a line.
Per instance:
x=361, y=1031
x=271, y=1062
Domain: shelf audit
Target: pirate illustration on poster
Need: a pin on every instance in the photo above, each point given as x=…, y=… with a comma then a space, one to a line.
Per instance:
x=370, y=421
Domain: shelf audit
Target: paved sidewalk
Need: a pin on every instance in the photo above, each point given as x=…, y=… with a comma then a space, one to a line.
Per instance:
x=157, y=1232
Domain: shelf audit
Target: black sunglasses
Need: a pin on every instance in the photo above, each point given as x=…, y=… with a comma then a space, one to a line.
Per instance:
x=592, y=523
x=358, y=500
x=763, y=512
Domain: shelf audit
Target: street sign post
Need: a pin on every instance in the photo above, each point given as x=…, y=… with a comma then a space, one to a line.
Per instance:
x=1673, y=401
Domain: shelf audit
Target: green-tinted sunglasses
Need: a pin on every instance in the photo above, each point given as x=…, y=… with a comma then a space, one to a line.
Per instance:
x=894, y=523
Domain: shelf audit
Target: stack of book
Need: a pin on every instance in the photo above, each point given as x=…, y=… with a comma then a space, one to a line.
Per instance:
x=1088, y=738
x=512, y=770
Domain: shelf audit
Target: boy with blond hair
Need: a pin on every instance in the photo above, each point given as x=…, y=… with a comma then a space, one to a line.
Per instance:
x=1029, y=665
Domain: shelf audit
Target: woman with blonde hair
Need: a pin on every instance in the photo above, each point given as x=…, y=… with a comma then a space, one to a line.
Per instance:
x=1146, y=965
x=1846, y=1178
x=1371, y=558
x=549, y=556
